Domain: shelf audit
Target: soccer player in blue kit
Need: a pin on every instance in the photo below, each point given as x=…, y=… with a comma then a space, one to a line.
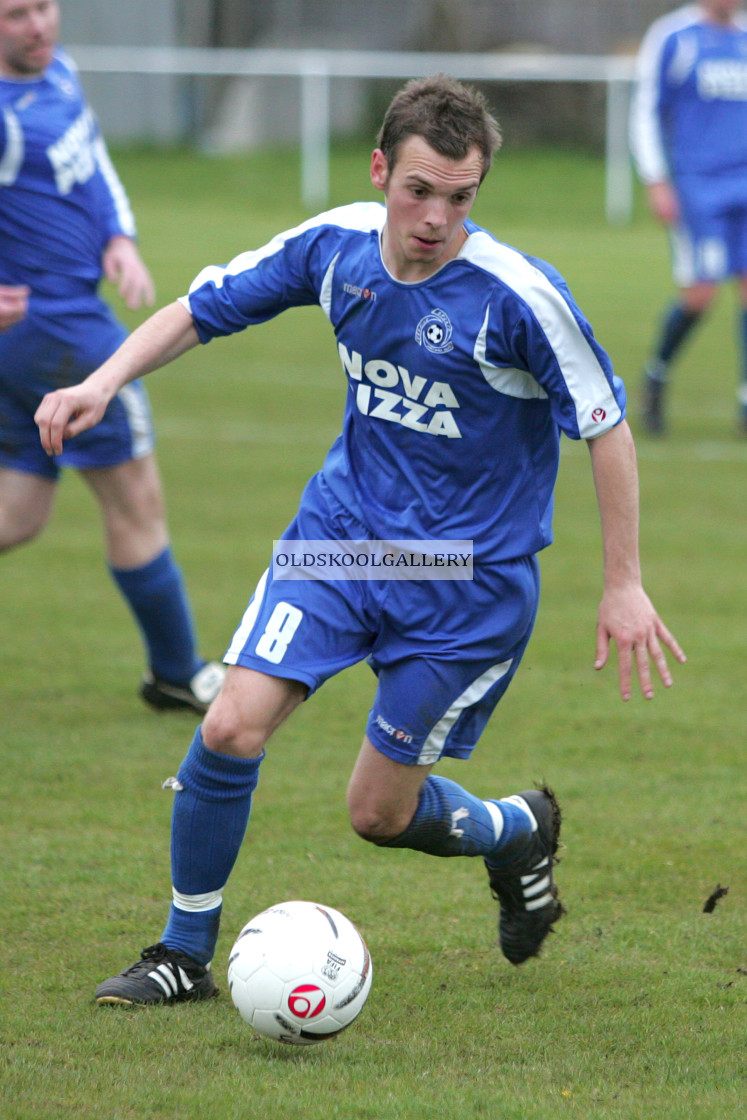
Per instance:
x=464, y=360
x=689, y=140
x=65, y=221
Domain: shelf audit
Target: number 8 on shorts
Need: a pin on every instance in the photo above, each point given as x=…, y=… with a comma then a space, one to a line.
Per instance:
x=281, y=626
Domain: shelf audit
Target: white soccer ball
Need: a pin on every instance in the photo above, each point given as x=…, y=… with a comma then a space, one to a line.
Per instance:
x=299, y=972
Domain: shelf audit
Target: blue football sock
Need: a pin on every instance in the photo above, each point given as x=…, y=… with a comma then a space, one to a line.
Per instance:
x=157, y=598
x=451, y=822
x=195, y=932
x=211, y=811
x=676, y=325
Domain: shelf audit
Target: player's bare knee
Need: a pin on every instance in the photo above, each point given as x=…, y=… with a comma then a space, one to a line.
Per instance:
x=375, y=824
x=225, y=732
x=15, y=531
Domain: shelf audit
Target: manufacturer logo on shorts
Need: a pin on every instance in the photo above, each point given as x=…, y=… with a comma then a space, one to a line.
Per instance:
x=434, y=331
x=395, y=732
x=598, y=415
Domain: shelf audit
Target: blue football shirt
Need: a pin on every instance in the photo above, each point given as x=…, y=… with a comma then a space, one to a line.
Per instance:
x=458, y=386
x=61, y=200
x=689, y=114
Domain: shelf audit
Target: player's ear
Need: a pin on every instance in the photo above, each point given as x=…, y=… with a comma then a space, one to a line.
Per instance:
x=379, y=169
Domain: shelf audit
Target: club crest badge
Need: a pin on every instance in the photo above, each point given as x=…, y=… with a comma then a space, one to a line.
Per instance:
x=434, y=332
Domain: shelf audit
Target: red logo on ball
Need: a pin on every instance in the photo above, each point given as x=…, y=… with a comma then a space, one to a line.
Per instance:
x=306, y=1001
x=598, y=415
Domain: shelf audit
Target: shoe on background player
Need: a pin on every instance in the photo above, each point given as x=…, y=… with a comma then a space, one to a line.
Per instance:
x=196, y=694
x=652, y=403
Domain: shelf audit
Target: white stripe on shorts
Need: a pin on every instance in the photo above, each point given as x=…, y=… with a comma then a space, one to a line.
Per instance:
x=245, y=626
x=138, y=417
x=433, y=746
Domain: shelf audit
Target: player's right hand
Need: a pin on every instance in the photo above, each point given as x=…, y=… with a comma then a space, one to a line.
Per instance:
x=14, y=304
x=663, y=202
x=68, y=412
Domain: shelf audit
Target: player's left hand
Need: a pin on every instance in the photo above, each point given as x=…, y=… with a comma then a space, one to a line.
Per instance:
x=124, y=267
x=627, y=617
x=14, y=304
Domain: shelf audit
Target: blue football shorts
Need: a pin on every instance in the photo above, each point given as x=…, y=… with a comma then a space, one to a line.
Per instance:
x=444, y=651
x=34, y=359
x=709, y=244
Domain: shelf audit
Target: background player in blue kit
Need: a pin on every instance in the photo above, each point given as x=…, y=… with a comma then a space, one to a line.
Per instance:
x=464, y=360
x=689, y=141
x=64, y=222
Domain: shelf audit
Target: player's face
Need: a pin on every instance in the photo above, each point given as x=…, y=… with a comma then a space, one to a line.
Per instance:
x=428, y=198
x=28, y=33
x=722, y=11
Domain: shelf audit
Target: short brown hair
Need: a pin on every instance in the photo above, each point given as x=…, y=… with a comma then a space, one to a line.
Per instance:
x=450, y=116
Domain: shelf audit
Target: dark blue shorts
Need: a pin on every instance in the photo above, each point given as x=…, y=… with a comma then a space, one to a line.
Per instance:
x=33, y=361
x=444, y=651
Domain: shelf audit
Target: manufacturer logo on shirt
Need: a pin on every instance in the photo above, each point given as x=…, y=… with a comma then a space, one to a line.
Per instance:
x=434, y=332
x=64, y=84
x=360, y=293
x=67, y=88
x=26, y=101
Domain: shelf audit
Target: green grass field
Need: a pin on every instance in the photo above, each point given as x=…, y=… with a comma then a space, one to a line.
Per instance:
x=638, y=1008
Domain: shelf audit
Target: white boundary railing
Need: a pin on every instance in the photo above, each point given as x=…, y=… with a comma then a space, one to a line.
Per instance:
x=315, y=68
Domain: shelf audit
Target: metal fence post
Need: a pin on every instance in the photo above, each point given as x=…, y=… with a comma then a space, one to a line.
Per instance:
x=315, y=137
x=619, y=176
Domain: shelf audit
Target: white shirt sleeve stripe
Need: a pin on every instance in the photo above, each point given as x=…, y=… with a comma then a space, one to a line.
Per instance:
x=12, y=158
x=646, y=143
x=125, y=217
x=596, y=407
